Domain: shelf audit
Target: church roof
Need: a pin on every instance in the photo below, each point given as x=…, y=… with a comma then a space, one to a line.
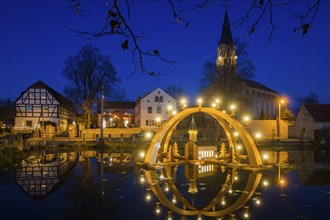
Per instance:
x=226, y=37
x=319, y=112
x=256, y=85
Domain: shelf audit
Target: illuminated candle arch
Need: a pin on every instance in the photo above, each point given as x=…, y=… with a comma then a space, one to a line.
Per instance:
x=162, y=138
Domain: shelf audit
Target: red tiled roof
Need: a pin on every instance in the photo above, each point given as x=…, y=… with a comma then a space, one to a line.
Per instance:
x=119, y=105
x=319, y=112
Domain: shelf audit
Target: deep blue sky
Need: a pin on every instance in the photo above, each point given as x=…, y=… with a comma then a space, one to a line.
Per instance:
x=34, y=45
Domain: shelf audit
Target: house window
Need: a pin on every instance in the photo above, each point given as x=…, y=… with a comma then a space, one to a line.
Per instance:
x=156, y=99
x=29, y=123
x=43, y=95
x=161, y=99
x=150, y=122
x=45, y=108
x=149, y=109
x=159, y=109
x=29, y=108
x=31, y=95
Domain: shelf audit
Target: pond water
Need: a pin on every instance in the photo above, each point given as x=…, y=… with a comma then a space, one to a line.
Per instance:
x=92, y=184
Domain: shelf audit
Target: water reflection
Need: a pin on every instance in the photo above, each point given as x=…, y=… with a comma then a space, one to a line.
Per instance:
x=107, y=185
x=178, y=189
x=38, y=174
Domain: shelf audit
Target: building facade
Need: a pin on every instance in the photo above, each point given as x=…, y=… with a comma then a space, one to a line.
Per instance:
x=40, y=105
x=117, y=114
x=154, y=108
x=310, y=121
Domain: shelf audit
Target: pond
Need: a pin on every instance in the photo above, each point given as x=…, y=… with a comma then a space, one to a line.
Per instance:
x=92, y=184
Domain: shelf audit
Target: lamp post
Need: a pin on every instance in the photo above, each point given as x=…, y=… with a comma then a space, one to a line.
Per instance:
x=281, y=101
x=101, y=127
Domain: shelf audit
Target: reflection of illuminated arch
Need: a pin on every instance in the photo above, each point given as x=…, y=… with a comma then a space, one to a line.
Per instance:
x=189, y=210
x=162, y=137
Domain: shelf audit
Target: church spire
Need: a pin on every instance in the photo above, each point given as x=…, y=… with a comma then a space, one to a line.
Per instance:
x=226, y=37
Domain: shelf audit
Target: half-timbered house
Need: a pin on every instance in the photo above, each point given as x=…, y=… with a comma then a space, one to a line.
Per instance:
x=40, y=105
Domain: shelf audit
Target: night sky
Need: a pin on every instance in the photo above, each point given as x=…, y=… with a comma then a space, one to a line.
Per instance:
x=34, y=44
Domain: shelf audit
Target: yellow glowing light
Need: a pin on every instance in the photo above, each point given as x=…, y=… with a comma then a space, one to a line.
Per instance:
x=235, y=134
x=169, y=107
x=148, y=134
x=232, y=107
x=258, y=135
x=265, y=183
x=142, y=179
x=199, y=100
x=238, y=147
x=217, y=101
x=174, y=112
x=142, y=154
x=246, y=118
x=183, y=101
x=214, y=105
x=246, y=215
x=265, y=156
x=158, y=119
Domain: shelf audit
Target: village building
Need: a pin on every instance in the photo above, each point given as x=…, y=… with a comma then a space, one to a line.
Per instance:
x=153, y=109
x=117, y=114
x=311, y=120
x=43, y=111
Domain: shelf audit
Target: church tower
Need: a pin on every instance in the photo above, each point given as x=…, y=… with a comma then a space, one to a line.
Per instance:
x=226, y=60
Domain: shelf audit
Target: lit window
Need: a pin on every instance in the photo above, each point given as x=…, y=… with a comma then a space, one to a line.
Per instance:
x=43, y=95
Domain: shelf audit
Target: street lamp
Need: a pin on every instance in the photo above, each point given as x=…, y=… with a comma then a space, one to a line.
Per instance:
x=280, y=102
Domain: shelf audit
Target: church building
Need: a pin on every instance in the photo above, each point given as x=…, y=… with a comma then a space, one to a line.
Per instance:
x=255, y=97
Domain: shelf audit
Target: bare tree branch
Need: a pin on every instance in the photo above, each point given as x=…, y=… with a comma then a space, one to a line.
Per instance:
x=118, y=24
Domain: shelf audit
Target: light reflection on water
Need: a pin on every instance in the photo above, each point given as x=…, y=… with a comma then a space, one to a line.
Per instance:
x=116, y=189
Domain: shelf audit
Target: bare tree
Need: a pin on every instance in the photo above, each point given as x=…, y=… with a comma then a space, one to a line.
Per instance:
x=87, y=73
